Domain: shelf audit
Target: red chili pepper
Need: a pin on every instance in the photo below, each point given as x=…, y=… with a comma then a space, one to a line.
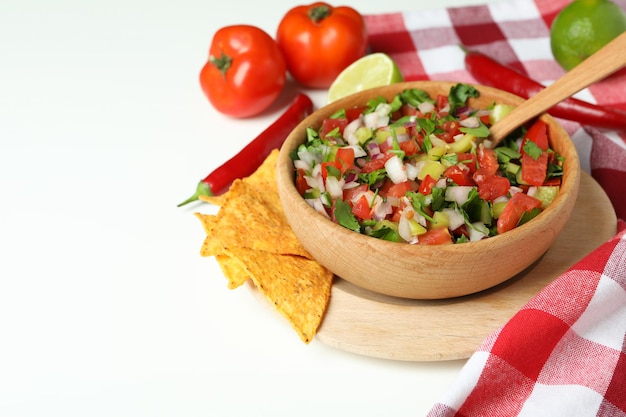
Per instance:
x=488, y=71
x=252, y=155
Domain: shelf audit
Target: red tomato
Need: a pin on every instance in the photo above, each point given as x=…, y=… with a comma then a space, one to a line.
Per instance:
x=301, y=184
x=437, y=236
x=350, y=193
x=427, y=184
x=514, y=209
x=328, y=125
x=319, y=41
x=538, y=133
x=534, y=170
x=375, y=164
x=441, y=102
x=245, y=72
x=488, y=160
x=362, y=209
x=354, y=112
x=399, y=190
x=344, y=159
x=491, y=187
x=409, y=147
x=469, y=159
x=458, y=175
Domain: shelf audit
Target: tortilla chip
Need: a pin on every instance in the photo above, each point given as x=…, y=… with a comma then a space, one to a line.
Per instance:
x=250, y=220
x=299, y=288
x=251, y=239
x=208, y=222
x=234, y=270
x=265, y=175
x=216, y=200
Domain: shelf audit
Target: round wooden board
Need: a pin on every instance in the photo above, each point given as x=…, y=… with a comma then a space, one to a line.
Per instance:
x=375, y=325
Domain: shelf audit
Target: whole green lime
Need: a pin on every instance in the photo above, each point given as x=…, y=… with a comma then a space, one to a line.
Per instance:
x=582, y=27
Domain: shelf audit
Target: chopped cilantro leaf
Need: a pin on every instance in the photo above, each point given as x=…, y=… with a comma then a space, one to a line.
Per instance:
x=339, y=114
x=333, y=171
x=345, y=217
x=532, y=149
x=415, y=97
x=481, y=131
x=459, y=94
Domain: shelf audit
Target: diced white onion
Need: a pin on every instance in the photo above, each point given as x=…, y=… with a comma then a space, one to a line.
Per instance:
x=349, y=131
x=359, y=152
x=351, y=184
x=404, y=229
x=315, y=182
x=471, y=121
x=396, y=170
x=436, y=142
x=309, y=157
x=334, y=186
x=426, y=107
x=301, y=164
x=319, y=207
x=411, y=171
x=477, y=231
x=381, y=209
x=458, y=194
x=454, y=217
x=403, y=137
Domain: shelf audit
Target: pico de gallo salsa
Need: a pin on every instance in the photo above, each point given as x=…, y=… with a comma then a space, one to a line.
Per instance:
x=412, y=170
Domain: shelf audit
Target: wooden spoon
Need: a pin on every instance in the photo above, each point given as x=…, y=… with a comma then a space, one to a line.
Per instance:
x=603, y=63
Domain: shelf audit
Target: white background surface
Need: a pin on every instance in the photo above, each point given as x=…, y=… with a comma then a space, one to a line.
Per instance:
x=106, y=307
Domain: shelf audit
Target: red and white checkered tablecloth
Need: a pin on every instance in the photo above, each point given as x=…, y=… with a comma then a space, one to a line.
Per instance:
x=564, y=353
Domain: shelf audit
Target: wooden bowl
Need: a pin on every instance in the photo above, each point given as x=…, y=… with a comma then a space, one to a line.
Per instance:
x=425, y=271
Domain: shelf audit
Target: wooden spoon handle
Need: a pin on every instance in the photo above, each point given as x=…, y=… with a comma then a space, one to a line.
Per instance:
x=603, y=63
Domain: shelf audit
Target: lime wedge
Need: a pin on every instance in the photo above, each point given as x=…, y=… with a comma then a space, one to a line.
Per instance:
x=373, y=70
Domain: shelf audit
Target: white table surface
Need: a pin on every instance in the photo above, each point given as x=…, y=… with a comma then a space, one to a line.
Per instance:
x=106, y=307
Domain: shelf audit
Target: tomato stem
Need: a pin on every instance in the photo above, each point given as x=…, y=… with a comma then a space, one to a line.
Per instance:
x=222, y=63
x=319, y=13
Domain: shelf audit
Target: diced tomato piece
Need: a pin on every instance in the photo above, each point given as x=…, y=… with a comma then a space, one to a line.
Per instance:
x=514, y=209
x=375, y=164
x=328, y=125
x=538, y=133
x=350, y=193
x=409, y=147
x=485, y=119
x=437, y=236
x=427, y=184
x=301, y=184
x=441, y=102
x=458, y=175
x=408, y=110
x=462, y=230
x=452, y=127
x=385, y=146
x=399, y=190
x=325, y=166
x=362, y=209
x=555, y=182
x=354, y=112
x=469, y=159
x=491, y=186
x=534, y=170
x=487, y=160
x=345, y=159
